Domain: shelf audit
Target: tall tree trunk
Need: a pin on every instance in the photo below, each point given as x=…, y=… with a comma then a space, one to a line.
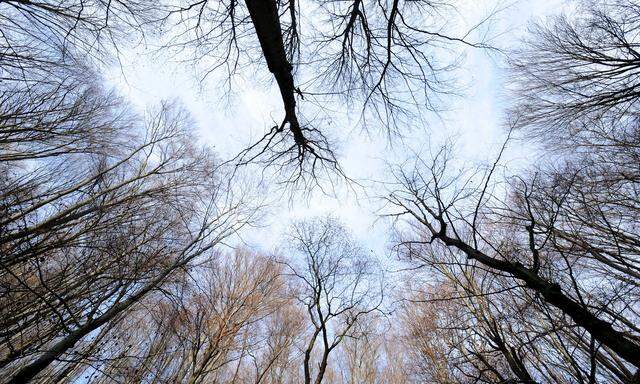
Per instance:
x=265, y=19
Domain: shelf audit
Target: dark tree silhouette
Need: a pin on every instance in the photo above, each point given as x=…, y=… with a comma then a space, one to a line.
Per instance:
x=372, y=57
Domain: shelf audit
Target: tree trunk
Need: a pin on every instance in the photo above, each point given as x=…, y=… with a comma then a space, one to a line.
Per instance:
x=552, y=293
x=265, y=19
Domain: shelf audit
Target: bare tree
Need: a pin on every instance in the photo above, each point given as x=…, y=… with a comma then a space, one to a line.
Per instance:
x=371, y=55
x=336, y=285
x=231, y=314
x=541, y=265
x=83, y=255
x=544, y=238
x=110, y=222
x=38, y=34
x=99, y=208
x=575, y=73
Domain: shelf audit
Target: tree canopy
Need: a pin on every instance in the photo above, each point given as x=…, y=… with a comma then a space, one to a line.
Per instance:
x=123, y=252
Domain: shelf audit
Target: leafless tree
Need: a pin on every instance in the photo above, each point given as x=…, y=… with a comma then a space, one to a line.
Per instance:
x=98, y=206
x=336, y=286
x=559, y=240
x=230, y=320
x=373, y=57
x=82, y=248
x=37, y=34
x=539, y=269
x=110, y=222
x=576, y=73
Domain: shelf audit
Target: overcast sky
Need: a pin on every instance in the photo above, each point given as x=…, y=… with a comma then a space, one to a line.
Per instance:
x=226, y=121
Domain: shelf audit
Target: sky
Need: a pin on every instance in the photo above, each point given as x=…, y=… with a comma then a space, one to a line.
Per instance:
x=474, y=121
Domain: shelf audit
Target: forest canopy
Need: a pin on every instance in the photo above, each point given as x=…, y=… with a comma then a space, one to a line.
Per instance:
x=137, y=247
